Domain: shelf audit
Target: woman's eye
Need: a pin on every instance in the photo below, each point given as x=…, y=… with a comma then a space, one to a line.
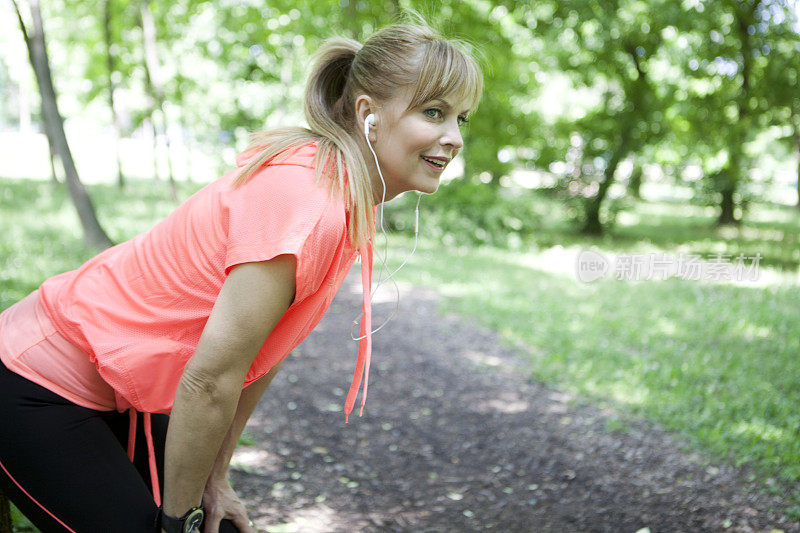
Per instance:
x=462, y=120
x=433, y=113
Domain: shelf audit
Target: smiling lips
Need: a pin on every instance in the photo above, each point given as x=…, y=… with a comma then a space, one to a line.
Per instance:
x=437, y=163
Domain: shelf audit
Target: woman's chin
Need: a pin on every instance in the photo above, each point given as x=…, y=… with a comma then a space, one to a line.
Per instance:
x=428, y=186
x=422, y=185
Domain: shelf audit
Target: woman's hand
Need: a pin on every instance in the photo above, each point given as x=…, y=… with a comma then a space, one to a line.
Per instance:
x=220, y=501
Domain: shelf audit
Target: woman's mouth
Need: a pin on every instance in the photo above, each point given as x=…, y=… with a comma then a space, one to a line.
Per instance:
x=435, y=162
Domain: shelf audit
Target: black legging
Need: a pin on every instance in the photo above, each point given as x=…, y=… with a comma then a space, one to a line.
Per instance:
x=65, y=466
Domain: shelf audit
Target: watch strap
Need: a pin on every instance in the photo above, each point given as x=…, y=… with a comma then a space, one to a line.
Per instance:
x=176, y=525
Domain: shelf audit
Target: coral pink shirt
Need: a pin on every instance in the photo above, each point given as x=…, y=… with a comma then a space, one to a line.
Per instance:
x=138, y=308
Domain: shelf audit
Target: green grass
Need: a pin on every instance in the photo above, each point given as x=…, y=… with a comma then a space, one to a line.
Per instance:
x=717, y=363
x=20, y=523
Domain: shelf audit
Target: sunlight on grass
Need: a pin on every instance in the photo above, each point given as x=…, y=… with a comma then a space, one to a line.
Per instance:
x=759, y=430
x=625, y=394
x=667, y=327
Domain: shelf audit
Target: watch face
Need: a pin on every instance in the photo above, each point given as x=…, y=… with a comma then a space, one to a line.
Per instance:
x=193, y=521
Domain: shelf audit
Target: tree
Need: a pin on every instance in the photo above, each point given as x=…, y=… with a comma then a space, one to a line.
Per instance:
x=105, y=47
x=725, y=53
x=606, y=48
x=108, y=34
x=730, y=178
x=37, y=53
x=635, y=181
x=154, y=86
x=778, y=96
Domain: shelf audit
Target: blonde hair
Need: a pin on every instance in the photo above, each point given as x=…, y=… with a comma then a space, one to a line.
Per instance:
x=342, y=69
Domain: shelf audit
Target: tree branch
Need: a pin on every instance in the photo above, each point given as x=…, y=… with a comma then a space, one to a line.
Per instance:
x=21, y=23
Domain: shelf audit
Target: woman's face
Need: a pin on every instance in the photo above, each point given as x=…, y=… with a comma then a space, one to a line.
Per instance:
x=414, y=146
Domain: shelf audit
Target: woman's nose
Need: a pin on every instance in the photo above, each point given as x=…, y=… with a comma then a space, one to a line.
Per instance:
x=452, y=137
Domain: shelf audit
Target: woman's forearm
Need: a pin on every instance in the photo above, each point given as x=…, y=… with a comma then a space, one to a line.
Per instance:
x=251, y=302
x=247, y=403
x=201, y=415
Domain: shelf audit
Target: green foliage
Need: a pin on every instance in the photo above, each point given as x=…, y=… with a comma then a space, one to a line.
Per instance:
x=658, y=82
x=21, y=524
x=246, y=439
x=794, y=513
x=469, y=213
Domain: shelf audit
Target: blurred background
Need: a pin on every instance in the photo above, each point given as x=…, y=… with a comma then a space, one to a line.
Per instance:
x=596, y=102
x=625, y=126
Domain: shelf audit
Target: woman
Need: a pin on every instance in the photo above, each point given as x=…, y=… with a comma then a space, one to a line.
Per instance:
x=193, y=318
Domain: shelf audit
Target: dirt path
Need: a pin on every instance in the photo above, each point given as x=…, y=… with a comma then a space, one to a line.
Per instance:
x=454, y=439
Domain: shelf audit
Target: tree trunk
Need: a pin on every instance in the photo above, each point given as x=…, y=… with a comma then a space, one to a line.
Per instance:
x=148, y=43
x=25, y=122
x=149, y=125
x=152, y=75
x=796, y=137
x=107, y=9
x=93, y=232
x=6, y=525
x=734, y=174
x=591, y=223
x=173, y=187
x=727, y=214
x=635, y=183
x=638, y=111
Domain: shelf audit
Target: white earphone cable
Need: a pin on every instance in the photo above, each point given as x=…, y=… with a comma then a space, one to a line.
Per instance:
x=384, y=266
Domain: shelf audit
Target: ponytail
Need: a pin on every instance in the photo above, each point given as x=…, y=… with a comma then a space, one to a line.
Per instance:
x=329, y=111
x=338, y=157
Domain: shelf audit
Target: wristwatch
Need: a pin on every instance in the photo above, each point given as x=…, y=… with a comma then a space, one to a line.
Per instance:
x=188, y=523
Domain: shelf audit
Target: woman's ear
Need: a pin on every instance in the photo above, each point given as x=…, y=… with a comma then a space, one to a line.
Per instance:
x=365, y=107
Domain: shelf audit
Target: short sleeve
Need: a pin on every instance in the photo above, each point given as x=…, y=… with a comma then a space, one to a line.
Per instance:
x=281, y=210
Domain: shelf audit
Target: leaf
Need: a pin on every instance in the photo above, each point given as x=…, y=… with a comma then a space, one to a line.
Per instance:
x=245, y=439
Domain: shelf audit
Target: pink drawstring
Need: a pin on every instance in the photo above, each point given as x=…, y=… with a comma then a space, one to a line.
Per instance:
x=365, y=335
x=151, y=454
x=131, y=433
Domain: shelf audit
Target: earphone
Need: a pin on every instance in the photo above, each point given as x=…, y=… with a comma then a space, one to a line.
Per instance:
x=370, y=121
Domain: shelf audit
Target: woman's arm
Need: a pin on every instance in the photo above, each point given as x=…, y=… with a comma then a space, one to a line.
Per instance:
x=251, y=302
x=247, y=404
x=219, y=499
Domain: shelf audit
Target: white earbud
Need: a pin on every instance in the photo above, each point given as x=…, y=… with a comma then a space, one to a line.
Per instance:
x=369, y=121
